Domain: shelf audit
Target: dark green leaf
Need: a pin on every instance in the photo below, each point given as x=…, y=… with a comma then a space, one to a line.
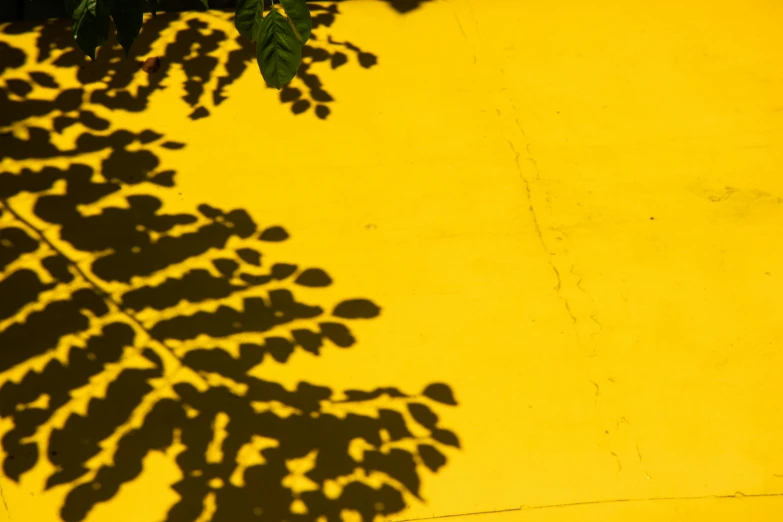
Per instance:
x=278, y=51
x=248, y=17
x=206, y=3
x=299, y=15
x=128, y=17
x=154, y=7
x=102, y=12
x=245, y=16
x=91, y=25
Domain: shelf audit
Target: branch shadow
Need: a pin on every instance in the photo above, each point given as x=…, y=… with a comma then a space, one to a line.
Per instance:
x=158, y=319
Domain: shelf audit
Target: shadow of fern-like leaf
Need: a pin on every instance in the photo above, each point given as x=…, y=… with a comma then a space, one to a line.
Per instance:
x=127, y=329
x=169, y=390
x=119, y=84
x=198, y=48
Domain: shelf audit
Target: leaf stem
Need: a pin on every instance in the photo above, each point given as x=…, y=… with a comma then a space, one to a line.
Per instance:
x=95, y=286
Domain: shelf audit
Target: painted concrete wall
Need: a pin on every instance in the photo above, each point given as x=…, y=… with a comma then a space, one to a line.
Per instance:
x=566, y=215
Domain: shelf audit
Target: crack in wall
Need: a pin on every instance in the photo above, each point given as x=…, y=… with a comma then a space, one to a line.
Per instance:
x=2, y=496
x=530, y=158
x=585, y=330
x=534, y=216
x=559, y=288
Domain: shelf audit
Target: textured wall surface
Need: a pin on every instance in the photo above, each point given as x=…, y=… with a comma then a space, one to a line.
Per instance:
x=497, y=260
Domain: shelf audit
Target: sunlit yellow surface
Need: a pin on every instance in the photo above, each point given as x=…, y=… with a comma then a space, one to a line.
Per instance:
x=568, y=211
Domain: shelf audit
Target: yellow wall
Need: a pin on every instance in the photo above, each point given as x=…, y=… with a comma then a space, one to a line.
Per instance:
x=569, y=212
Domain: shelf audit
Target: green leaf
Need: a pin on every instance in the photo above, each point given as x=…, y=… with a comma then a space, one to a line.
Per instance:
x=154, y=7
x=278, y=51
x=249, y=16
x=299, y=14
x=91, y=25
x=206, y=3
x=128, y=16
x=102, y=12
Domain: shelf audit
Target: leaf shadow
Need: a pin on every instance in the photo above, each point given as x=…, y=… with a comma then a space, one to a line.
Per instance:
x=156, y=320
x=194, y=50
